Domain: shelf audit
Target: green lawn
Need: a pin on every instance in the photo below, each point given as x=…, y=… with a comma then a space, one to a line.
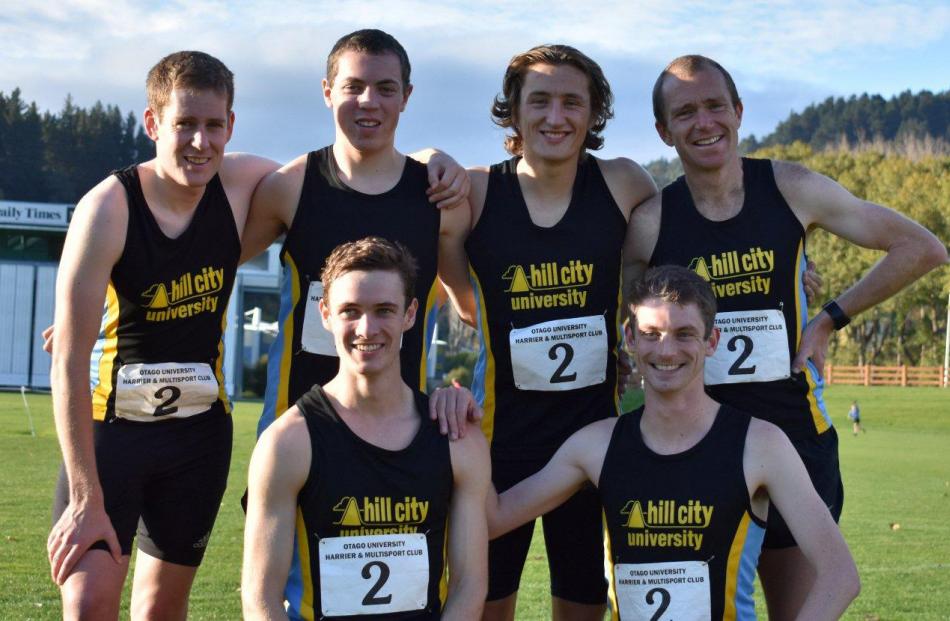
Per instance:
x=897, y=473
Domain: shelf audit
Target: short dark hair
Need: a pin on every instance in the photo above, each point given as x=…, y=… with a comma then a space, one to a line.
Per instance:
x=504, y=108
x=691, y=64
x=371, y=254
x=189, y=70
x=369, y=41
x=677, y=285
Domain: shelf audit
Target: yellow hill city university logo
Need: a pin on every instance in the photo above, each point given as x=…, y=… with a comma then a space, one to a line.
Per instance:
x=548, y=284
x=380, y=515
x=733, y=273
x=189, y=294
x=666, y=523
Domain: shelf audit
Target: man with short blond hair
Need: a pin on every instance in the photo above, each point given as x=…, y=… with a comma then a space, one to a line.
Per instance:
x=147, y=446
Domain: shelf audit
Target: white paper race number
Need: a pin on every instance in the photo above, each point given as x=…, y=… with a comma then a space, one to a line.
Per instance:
x=753, y=347
x=662, y=591
x=151, y=392
x=314, y=338
x=373, y=574
x=563, y=354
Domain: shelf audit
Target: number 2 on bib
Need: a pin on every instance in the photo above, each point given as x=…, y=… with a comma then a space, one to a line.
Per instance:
x=753, y=347
x=564, y=354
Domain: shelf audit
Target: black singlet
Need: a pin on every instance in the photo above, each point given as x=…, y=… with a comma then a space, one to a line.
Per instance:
x=552, y=294
x=374, y=509
x=331, y=213
x=159, y=352
x=682, y=535
x=754, y=262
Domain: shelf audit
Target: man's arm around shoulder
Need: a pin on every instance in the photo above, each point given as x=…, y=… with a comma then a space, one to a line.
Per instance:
x=771, y=462
x=273, y=207
x=454, y=227
x=279, y=468
x=468, y=532
x=629, y=183
x=94, y=243
x=240, y=175
x=576, y=462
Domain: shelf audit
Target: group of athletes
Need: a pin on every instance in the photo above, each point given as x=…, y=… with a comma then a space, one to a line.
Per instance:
x=367, y=498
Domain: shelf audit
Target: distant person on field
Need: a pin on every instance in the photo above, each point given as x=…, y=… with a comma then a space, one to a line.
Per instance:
x=854, y=414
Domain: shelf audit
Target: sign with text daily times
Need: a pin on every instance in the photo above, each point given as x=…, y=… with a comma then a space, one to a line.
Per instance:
x=35, y=215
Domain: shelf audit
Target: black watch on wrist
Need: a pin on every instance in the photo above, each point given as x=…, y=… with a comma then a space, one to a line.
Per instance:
x=838, y=318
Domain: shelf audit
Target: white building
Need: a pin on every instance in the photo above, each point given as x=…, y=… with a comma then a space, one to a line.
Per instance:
x=31, y=241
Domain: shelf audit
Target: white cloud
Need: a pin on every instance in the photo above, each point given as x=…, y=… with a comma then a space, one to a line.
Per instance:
x=786, y=53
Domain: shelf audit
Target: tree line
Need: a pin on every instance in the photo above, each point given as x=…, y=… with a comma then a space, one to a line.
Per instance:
x=861, y=119
x=56, y=158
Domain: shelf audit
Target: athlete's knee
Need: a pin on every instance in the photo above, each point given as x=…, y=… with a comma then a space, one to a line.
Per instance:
x=500, y=609
x=89, y=602
x=158, y=608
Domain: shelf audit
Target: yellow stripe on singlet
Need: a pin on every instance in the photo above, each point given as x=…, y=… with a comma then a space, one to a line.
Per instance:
x=732, y=568
x=609, y=573
x=488, y=407
x=303, y=551
x=110, y=348
x=423, y=316
x=444, y=579
x=219, y=365
x=287, y=350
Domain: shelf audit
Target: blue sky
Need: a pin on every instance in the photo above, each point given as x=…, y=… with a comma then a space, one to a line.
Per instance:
x=783, y=55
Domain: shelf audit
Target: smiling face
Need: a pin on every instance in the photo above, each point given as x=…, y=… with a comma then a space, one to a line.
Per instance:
x=553, y=112
x=190, y=133
x=669, y=346
x=700, y=120
x=366, y=312
x=367, y=96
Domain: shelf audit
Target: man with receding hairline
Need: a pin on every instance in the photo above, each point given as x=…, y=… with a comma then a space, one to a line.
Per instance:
x=741, y=224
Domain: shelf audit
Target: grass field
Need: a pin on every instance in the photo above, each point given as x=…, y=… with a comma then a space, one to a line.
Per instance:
x=898, y=473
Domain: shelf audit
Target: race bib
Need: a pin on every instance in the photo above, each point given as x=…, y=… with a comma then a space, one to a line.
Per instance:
x=563, y=354
x=150, y=392
x=678, y=590
x=373, y=574
x=314, y=338
x=753, y=347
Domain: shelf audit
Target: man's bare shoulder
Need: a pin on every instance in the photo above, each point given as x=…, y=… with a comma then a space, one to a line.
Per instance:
x=105, y=207
x=629, y=183
x=765, y=442
x=799, y=184
x=245, y=169
x=597, y=433
x=288, y=433
x=791, y=172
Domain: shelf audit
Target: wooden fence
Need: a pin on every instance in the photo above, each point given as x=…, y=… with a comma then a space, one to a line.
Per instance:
x=869, y=375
